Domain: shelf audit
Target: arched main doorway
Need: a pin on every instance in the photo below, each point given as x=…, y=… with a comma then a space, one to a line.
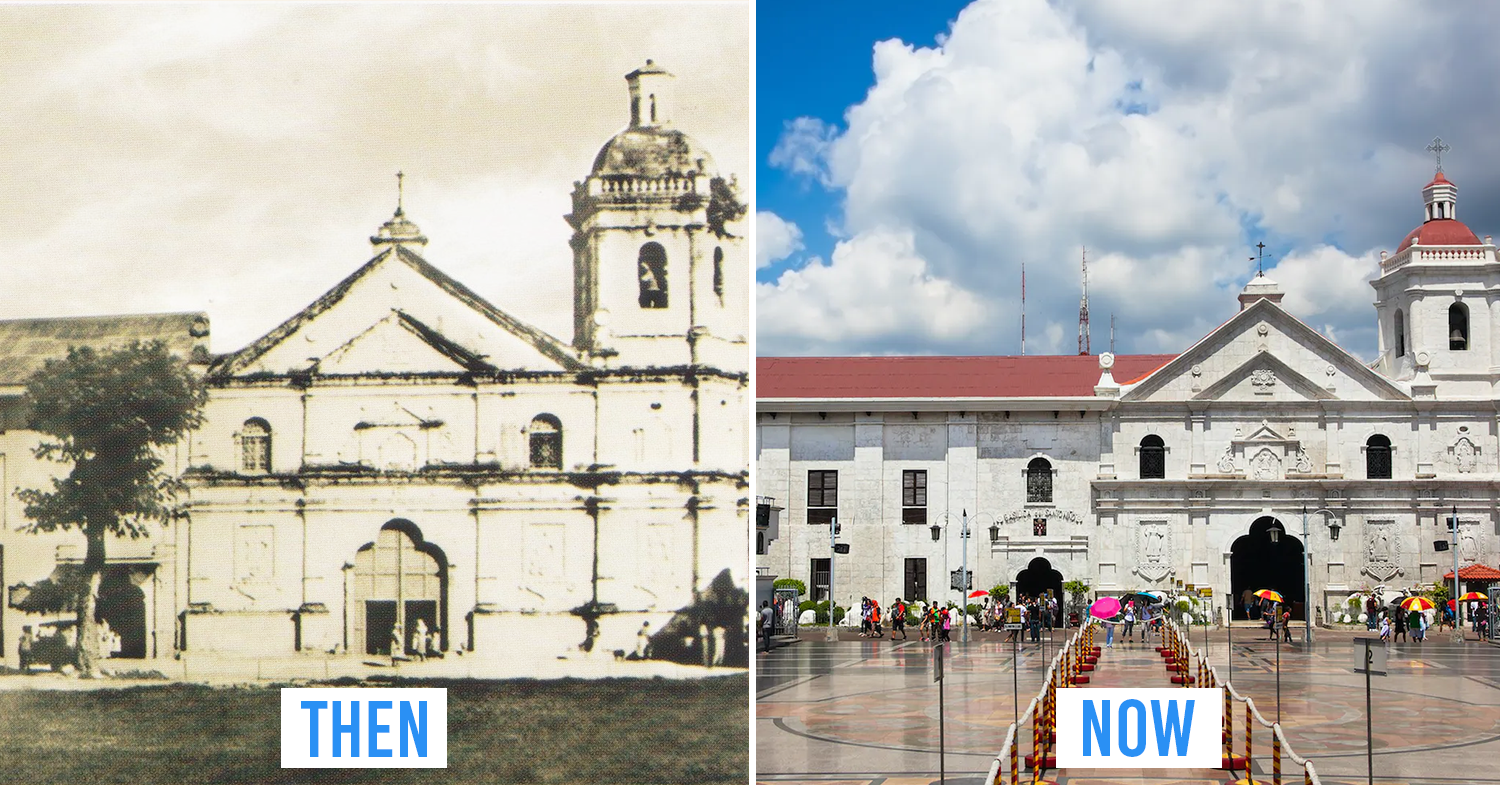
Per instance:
x=123, y=605
x=1037, y=579
x=399, y=579
x=1255, y=563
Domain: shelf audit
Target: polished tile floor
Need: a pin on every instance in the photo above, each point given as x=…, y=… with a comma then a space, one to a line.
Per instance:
x=866, y=712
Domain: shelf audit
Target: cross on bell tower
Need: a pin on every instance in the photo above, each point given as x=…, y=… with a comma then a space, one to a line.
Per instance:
x=1437, y=148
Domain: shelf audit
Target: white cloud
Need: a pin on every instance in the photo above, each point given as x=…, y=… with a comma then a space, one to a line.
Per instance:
x=875, y=286
x=1164, y=138
x=775, y=238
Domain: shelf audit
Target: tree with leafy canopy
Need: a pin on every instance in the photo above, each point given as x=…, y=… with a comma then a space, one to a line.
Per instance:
x=109, y=414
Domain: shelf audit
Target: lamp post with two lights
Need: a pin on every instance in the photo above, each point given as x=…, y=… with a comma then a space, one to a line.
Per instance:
x=964, y=582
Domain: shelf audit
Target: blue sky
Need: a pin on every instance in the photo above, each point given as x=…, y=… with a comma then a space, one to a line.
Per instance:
x=813, y=60
x=912, y=156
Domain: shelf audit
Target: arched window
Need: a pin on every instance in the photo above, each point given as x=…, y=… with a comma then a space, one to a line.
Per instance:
x=1378, y=458
x=652, y=271
x=719, y=273
x=255, y=446
x=546, y=442
x=1400, y=333
x=1153, y=458
x=1039, y=480
x=1458, y=327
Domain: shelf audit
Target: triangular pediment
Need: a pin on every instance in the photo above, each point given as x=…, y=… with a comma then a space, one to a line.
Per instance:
x=1264, y=377
x=1265, y=354
x=399, y=302
x=400, y=343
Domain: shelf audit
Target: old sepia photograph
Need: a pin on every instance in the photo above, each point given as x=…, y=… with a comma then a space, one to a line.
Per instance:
x=375, y=345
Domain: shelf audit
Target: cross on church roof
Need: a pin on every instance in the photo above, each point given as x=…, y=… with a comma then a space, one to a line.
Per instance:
x=400, y=190
x=1437, y=148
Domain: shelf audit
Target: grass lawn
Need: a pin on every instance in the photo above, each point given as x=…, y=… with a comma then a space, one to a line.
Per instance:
x=519, y=731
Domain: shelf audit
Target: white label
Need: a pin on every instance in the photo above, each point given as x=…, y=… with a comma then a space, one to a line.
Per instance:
x=1158, y=728
x=364, y=728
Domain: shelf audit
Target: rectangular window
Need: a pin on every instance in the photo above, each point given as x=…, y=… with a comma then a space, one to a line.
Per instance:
x=1039, y=527
x=820, y=579
x=915, y=587
x=914, y=497
x=822, y=496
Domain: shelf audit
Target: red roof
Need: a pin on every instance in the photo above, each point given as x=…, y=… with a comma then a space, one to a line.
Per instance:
x=1475, y=572
x=1440, y=231
x=1438, y=179
x=1046, y=376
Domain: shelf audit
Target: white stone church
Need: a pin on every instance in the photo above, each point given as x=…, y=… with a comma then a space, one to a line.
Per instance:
x=1156, y=472
x=403, y=454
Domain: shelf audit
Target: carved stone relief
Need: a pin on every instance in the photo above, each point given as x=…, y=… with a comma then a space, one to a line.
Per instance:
x=1304, y=463
x=1263, y=380
x=1382, y=550
x=1226, y=461
x=1465, y=454
x=1468, y=541
x=1153, y=550
x=1265, y=465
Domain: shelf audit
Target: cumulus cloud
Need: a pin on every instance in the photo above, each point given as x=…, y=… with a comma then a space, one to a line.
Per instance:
x=1166, y=139
x=775, y=238
x=875, y=287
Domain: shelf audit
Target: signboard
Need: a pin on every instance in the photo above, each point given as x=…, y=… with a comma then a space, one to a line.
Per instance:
x=1371, y=652
x=937, y=662
x=957, y=582
x=1011, y=627
x=1205, y=592
x=841, y=547
x=1013, y=616
x=1191, y=587
x=1139, y=728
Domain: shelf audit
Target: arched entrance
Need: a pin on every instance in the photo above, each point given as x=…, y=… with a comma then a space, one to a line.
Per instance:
x=399, y=579
x=1255, y=563
x=123, y=605
x=1037, y=579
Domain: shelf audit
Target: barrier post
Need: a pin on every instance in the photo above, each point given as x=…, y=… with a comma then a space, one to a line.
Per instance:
x=1275, y=755
x=1228, y=732
x=1015, y=767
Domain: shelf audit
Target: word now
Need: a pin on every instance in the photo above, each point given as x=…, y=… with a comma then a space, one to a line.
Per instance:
x=352, y=727
x=1139, y=728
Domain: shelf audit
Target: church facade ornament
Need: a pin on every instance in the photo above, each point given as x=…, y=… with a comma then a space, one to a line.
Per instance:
x=1153, y=549
x=1263, y=380
x=1382, y=550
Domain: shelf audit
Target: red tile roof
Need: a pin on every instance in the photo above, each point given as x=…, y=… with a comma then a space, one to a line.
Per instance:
x=943, y=377
x=1475, y=572
x=1440, y=231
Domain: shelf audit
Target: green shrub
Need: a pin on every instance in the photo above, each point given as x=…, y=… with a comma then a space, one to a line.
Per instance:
x=1000, y=590
x=791, y=583
x=974, y=610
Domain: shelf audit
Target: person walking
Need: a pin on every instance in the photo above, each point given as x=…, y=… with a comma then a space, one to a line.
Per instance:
x=947, y=624
x=875, y=619
x=766, y=617
x=1398, y=626
x=1034, y=619
x=898, y=623
x=1286, y=624
x=1385, y=628
x=24, y=648
x=1129, y=631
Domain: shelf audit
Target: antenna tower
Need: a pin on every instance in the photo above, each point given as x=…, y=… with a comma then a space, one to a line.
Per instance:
x=1083, y=308
x=1023, y=309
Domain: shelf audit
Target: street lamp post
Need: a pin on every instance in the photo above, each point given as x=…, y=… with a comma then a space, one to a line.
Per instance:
x=833, y=535
x=1333, y=534
x=1458, y=619
x=963, y=583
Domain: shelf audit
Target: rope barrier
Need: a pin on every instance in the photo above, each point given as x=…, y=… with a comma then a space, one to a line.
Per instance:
x=1279, y=741
x=1042, y=713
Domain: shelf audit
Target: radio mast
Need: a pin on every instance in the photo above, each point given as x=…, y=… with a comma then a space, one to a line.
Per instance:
x=1023, y=309
x=1083, y=308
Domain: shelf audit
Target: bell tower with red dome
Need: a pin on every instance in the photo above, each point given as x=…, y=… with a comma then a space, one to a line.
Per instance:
x=1439, y=326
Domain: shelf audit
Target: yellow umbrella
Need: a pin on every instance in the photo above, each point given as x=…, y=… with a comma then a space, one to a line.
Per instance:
x=1267, y=594
x=1417, y=604
x=1474, y=595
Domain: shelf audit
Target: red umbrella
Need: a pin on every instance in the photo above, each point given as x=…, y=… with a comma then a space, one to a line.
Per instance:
x=978, y=593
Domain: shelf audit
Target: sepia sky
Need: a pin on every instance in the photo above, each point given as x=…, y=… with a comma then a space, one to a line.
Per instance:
x=236, y=158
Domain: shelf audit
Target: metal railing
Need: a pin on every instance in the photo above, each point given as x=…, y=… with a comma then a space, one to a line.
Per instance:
x=1208, y=676
x=1069, y=666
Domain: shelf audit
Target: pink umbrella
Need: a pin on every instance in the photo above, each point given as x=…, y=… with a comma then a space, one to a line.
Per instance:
x=1105, y=608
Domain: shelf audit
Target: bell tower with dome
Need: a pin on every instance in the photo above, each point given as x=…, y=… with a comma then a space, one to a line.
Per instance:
x=659, y=255
x=1439, y=326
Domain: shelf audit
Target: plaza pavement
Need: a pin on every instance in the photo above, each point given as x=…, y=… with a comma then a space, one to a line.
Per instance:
x=864, y=712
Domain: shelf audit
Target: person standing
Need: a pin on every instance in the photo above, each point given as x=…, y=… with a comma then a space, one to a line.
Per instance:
x=643, y=640
x=765, y=625
x=1286, y=623
x=1034, y=621
x=398, y=640
x=28, y=641
x=1398, y=625
x=1129, y=630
